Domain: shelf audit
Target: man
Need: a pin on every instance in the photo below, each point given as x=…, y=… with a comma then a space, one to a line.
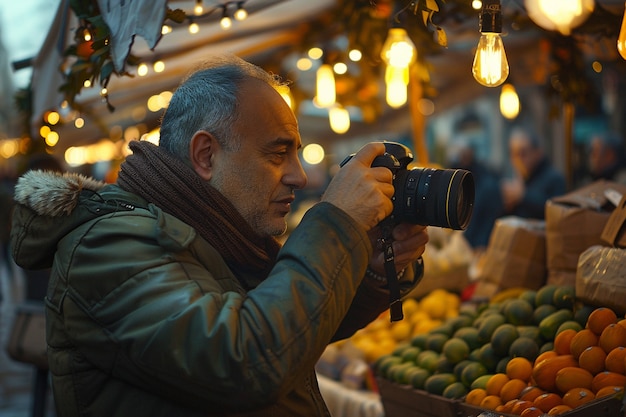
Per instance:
x=607, y=160
x=170, y=295
x=536, y=179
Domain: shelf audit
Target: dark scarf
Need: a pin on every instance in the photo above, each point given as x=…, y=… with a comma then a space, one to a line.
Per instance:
x=160, y=178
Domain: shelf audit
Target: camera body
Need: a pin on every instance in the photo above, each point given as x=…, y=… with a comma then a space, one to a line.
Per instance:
x=427, y=196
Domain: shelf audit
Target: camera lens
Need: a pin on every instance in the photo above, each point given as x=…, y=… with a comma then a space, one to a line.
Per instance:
x=436, y=197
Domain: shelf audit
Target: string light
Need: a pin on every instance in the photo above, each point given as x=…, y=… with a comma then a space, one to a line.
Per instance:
x=142, y=69
x=225, y=22
x=198, y=9
x=240, y=13
x=490, y=67
x=193, y=28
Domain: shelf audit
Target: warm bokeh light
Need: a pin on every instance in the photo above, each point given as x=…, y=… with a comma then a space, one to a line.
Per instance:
x=165, y=29
x=52, y=117
x=158, y=66
x=142, y=69
x=426, y=106
x=477, y=4
x=9, y=148
x=79, y=122
x=340, y=68
x=241, y=14
x=313, y=154
x=355, y=55
x=44, y=130
x=509, y=102
x=304, y=64
x=52, y=138
x=562, y=16
x=193, y=28
x=315, y=53
x=339, y=119
x=325, y=86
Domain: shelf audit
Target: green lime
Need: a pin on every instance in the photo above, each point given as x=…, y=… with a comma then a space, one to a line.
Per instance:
x=455, y=350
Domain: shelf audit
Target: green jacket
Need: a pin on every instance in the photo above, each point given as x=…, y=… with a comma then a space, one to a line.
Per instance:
x=144, y=318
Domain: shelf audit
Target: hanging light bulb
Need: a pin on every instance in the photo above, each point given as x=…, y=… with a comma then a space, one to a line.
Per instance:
x=509, y=102
x=621, y=40
x=325, y=86
x=198, y=9
x=225, y=21
x=193, y=28
x=339, y=119
x=559, y=15
x=240, y=13
x=399, y=53
x=398, y=49
x=490, y=67
x=396, y=82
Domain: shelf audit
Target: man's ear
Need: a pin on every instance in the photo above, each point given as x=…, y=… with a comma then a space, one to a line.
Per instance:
x=202, y=147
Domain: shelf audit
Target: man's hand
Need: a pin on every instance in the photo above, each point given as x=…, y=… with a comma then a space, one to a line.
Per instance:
x=409, y=243
x=362, y=191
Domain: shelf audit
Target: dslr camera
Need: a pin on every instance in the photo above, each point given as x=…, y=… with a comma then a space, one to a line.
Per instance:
x=427, y=196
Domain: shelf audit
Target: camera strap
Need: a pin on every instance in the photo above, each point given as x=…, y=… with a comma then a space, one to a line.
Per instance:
x=385, y=242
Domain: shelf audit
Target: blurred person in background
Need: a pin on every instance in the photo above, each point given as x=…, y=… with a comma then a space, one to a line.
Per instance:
x=170, y=294
x=488, y=205
x=607, y=158
x=535, y=179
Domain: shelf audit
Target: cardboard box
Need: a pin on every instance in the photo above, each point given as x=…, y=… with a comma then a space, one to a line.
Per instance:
x=403, y=400
x=515, y=256
x=601, y=278
x=614, y=232
x=574, y=222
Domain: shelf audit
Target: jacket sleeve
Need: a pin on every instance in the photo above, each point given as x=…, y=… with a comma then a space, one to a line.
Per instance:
x=158, y=315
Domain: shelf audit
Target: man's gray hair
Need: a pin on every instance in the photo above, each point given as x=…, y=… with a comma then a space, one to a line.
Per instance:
x=207, y=99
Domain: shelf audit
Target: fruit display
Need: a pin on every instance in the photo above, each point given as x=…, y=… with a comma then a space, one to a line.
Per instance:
x=382, y=336
x=526, y=352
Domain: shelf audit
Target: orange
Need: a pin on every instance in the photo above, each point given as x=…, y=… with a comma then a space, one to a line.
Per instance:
x=622, y=322
x=612, y=336
x=609, y=390
x=592, y=359
x=547, y=401
x=519, y=368
x=490, y=402
x=495, y=383
x=607, y=379
x=475, y=396
x=581, y=341
x=562, y=341
x=530, y=393
x=544, y=372
x=507, y=407
x=600, y=318
x=545, y=355
x=512, y=389
x=532, y=412
x=520, y=406
x=559, y=409
x=578, y=396
x=616, y=360
x=573, y=377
